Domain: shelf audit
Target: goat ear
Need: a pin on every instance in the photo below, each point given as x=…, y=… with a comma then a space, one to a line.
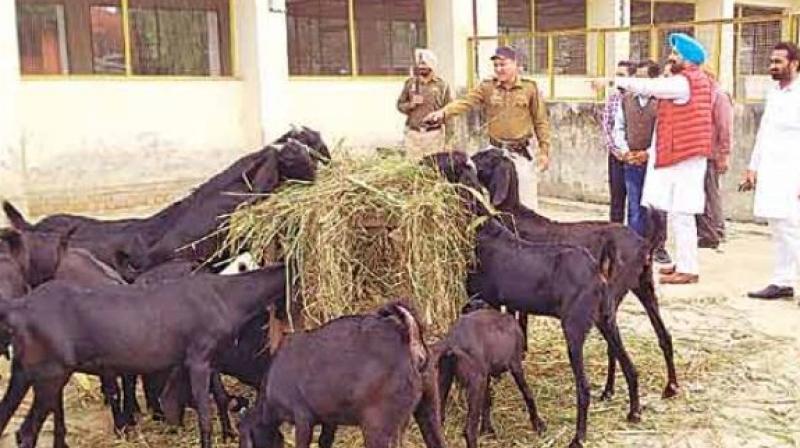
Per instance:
x=63, y=243
x=499, y=186
x=15, y=217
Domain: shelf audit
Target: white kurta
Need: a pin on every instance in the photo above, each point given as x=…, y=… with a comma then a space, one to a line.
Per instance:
x=776, y=156
x=677, y=188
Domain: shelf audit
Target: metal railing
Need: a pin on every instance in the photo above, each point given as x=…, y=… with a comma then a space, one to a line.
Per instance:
x=562, y=61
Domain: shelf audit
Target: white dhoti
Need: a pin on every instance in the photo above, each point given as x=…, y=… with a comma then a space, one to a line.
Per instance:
x=528, y=177
x=786, y=236
x=679, y=190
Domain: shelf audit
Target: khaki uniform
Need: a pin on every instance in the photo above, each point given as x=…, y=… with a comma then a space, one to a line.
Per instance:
x=436, y=94
x=513, y=114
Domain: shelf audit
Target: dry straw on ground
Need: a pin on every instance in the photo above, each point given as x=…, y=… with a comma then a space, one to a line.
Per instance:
x=368, y=230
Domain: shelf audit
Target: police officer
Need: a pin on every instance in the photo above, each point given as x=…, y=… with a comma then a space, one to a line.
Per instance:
x=423, y=93
x=514, y=111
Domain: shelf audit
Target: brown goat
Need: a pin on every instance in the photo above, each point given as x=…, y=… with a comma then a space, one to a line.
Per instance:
x=483, y=344
x=366, y=370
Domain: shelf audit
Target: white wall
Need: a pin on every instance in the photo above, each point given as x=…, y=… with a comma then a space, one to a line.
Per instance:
x=10, y=160
x=78, y=134
x=361, y=111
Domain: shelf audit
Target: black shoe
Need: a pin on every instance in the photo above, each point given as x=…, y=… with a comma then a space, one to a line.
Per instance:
x=773, y=292
x=703, y=243
x=661, y=256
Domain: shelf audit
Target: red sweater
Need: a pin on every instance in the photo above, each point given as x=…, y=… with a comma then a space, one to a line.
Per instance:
x=684, y=131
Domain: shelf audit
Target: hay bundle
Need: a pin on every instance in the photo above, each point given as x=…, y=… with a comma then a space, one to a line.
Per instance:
x=369, y=229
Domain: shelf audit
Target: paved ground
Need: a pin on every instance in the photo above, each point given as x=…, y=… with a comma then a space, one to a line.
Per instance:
x=755, y=403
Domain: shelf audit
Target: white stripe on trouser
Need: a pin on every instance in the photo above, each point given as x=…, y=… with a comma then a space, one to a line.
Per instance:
x=786, y=236
x=684, y=227
x=528, y=180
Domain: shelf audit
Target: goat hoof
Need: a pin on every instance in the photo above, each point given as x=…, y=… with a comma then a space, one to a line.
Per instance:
x=671, y=390
x=576, y=443
x=607, y=395
x=228, y=435
x=540, y=427
x=635, y=417
x=487, y=430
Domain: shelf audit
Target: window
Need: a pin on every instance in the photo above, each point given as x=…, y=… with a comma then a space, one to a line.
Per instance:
x=108, y=47
x=168, y=37
x=654, y=13
x=514, y=17
x=42, y=39
x=569, y=51
x=179, y=37
x=757, y=40
x=318, y=37
x=387, y=32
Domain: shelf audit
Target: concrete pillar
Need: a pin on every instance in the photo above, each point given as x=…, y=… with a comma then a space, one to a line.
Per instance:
x=12, y=169
x=264, y=66
x=450, y=23
x=718, y=40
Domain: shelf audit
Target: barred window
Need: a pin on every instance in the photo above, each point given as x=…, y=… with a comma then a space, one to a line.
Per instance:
x=108, y=46
x=757, y=40
x=514, y=17
x=644, y=12
x=570, y=51
x=318, y=37
x=180, y=37
x=387, y=32
x=168, y=37
x=41, y=32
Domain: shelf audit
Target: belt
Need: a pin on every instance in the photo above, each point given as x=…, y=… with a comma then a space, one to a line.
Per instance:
x=425, y=128
x=519, y=146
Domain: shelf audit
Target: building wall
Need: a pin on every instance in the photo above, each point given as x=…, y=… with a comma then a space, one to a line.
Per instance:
x=363, y=113
x=78, y=136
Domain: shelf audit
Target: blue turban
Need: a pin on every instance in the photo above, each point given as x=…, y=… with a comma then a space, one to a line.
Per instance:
x=688, y=47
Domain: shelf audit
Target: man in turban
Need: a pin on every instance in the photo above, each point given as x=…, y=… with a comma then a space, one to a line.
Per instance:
x=423, y=93
x=681, y=145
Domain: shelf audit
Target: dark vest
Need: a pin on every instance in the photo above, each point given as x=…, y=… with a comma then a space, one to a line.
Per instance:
x=640, y=122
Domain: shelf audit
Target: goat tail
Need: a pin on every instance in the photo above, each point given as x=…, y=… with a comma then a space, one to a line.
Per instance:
x=411, y=329
x=15, y=217
x=608, y=260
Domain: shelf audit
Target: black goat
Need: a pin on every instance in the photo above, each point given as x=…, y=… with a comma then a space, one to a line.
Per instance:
x=633, y=267
x=554, y=280
x=62, y=329
x=483, y=344
x=383, y=358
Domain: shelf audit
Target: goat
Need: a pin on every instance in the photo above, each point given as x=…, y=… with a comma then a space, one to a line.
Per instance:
x=109, y=330
x=483, y=344
x=554, y=280
x=384, y=358
x=633, y=262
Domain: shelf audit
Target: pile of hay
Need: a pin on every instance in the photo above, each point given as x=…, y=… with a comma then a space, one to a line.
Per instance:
x=368, y=230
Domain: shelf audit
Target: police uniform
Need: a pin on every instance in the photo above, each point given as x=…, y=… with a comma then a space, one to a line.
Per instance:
x=420, y=141
x=513, y=115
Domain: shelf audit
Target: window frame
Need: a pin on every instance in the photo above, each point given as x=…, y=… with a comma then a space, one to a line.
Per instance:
x=352, y=29
x=129, y=75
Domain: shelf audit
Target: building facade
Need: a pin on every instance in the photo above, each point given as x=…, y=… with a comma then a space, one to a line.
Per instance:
x=113, y=103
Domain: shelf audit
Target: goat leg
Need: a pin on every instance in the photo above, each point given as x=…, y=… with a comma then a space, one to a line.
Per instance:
x=647, y=297
x=610, y=332
x=486, y=409
x=17, y=388
x=222, y=400
x=326, y=436
x=476, y=387
x=200, y=378
x=518, y=373
x=575, y=334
